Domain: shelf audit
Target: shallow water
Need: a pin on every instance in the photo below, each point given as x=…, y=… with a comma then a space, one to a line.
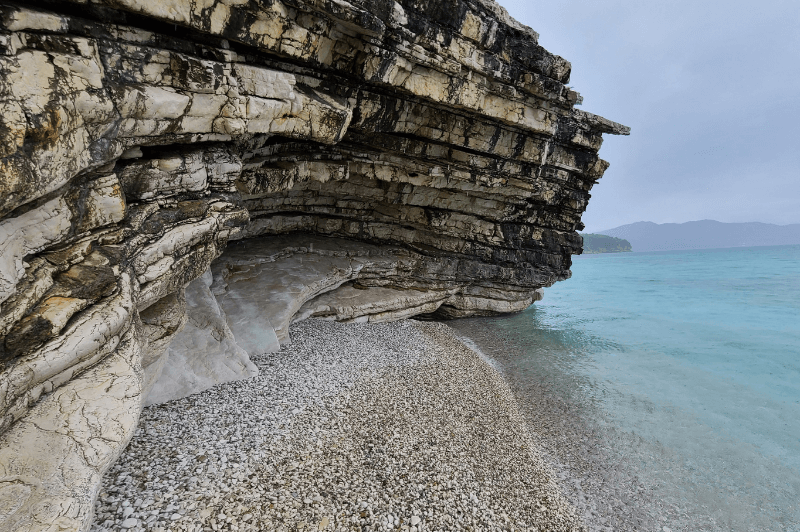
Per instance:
x=680, y=373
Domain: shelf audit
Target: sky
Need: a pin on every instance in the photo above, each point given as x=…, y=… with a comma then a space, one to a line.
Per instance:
x=711, y=91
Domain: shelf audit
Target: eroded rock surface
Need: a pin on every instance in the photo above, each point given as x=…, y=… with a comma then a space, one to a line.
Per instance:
x=436, y=142
x=291, y=278
x=204, y=353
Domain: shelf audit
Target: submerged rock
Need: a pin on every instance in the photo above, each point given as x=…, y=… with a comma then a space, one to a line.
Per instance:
x=372, y=160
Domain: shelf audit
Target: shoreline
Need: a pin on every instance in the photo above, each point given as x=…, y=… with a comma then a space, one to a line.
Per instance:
x=395, y=426
x=603, y=485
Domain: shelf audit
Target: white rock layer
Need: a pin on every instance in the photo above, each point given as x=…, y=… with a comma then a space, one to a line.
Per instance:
x=205, y=352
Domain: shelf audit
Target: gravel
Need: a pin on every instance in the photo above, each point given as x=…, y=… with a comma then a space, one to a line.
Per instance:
x=594, y=467
x=351, y=427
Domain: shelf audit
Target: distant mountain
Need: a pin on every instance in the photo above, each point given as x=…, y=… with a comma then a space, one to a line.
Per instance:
x=604, y=244
x=704, y=234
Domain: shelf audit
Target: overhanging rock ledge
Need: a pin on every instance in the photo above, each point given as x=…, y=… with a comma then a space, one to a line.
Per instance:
x=369, y=160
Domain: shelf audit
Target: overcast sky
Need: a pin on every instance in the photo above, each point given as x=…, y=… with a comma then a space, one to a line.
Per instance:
x=711, y=90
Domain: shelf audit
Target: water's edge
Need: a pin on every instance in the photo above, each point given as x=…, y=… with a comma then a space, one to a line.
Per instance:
x=665, y=387
x=605, y=490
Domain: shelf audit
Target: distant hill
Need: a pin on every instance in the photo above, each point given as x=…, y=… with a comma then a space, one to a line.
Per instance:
x=604, y=244
x=704, y=234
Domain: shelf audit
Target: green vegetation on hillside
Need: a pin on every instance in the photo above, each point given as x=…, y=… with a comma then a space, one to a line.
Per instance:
x=604, y=244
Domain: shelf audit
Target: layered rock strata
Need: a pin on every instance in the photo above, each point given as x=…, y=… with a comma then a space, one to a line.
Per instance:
x=137, y=138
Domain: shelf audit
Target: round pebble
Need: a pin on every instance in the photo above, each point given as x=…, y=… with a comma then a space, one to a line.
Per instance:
x=394, y=426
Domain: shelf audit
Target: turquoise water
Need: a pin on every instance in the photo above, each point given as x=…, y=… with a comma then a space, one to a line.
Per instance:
x=688, y=363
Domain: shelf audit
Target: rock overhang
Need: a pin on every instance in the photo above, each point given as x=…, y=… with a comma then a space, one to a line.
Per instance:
x=139, y=138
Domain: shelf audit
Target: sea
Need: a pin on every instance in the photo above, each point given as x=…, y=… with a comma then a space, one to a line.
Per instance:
x=664, y=387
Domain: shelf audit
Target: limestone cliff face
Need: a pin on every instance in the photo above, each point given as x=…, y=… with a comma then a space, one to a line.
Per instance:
x=435, y=144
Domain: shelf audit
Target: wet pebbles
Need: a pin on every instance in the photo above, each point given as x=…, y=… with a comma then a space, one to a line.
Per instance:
x=589, y=460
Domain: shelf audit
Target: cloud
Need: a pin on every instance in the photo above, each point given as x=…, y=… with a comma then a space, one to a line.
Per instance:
x=711, y=91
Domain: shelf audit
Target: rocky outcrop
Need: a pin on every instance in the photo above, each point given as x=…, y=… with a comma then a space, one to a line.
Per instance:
x=386, y=158
x=204, y=353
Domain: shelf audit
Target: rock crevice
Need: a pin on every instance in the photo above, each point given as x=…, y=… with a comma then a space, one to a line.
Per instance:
x=398, y=158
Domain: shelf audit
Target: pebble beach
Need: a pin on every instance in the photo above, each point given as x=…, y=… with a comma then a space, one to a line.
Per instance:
x=394, y=426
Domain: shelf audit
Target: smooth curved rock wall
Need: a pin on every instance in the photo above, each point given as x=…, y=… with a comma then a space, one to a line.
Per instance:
x=436, y=140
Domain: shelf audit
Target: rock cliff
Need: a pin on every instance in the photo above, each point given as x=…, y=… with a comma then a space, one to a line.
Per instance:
x=371, y=160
